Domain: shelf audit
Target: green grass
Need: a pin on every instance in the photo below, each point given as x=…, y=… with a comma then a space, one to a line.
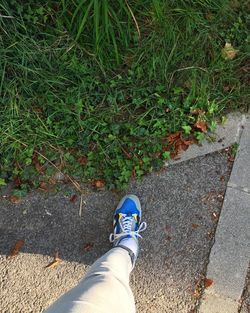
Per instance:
x=108, y=81
x=108, y=22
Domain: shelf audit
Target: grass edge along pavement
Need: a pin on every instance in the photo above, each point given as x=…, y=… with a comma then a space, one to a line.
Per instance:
x=226, y=135
x=90, y=120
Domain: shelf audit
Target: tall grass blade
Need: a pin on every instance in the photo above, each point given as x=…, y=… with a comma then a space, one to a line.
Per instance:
x=84, y=20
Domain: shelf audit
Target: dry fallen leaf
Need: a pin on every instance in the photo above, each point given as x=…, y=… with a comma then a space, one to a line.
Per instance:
x=194, y=226
x=43, y=186
x=228, y=52
x=17, y=181
x=88, y=246
x=197, y=292
x=83, y=160
x=168, y=238
x=133, y=173
x=52, y=180
x=16, y=249
x=35, y=161
x=99, y=183
x=230, y=158
x=140, y=162
x=37, y=109
x=197, y=112
x=188, y=142
x=15, y=199
x=227, y=88
x=179, y=147
x=55, y=262
x=207, y=282
x=177, y=144
x=220, y=196
x=156, y=155
x=222, y=178
x=173, y=137
x=202, y=125
x=73, y=199
x=210, y=235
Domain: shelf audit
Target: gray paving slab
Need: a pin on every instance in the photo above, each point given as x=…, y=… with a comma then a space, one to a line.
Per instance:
x=230, y=254
x=180, y=204
x=240, y=177
x=224, y=136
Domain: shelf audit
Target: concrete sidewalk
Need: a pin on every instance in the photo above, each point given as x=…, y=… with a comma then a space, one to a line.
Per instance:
x=181, y=204
x=230, y=255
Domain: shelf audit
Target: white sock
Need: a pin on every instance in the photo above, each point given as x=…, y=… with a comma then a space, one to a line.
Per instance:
x=131, y=243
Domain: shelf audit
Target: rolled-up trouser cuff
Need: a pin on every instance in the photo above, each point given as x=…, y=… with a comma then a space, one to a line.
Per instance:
x=130, y=252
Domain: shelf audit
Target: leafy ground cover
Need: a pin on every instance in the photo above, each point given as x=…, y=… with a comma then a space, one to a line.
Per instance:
x=106, y=90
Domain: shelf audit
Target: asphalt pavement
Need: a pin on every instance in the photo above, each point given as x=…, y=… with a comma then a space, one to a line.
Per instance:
x=181, y=205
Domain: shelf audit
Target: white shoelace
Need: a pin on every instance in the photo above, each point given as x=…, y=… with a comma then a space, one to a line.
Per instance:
x=126, y=229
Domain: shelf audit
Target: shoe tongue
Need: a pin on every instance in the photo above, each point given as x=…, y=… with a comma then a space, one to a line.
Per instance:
x=127, y=214
x=127, y=217
x=129, y=223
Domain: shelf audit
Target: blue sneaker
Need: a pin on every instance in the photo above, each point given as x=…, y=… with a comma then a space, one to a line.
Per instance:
x=127, y=222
